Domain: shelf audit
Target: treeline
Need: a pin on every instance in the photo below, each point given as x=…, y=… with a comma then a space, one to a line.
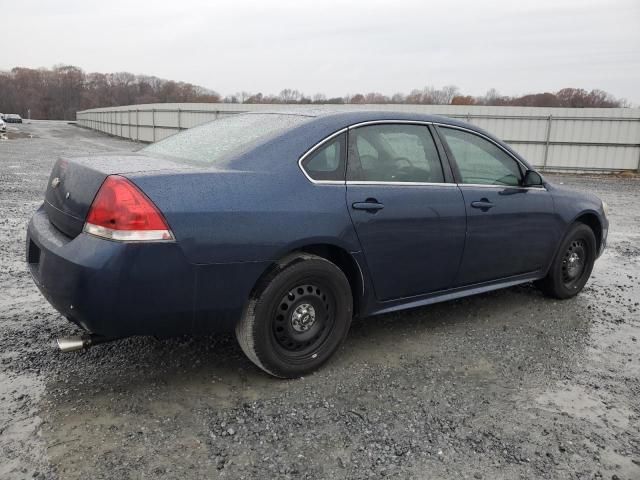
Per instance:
x=449, y=95
x=60, y=92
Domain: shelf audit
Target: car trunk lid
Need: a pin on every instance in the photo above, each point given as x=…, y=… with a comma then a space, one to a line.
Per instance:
x=74, y=182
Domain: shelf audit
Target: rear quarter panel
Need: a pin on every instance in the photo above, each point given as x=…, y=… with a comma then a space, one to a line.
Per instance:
x=226, y=217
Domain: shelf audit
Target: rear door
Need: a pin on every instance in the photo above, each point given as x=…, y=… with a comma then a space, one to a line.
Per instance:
x=409, y=220
x=510, y=228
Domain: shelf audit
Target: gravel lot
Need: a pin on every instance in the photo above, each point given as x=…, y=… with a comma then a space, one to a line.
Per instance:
x=502, y=385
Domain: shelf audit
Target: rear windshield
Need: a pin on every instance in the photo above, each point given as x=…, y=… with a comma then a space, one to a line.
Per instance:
x=213, y=142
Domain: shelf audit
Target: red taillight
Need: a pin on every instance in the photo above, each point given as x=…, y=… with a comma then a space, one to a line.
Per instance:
x=121, y=211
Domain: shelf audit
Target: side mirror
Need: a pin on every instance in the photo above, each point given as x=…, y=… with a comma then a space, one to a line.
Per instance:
x=532, y=179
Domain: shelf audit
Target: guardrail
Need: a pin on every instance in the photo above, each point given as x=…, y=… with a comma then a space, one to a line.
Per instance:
x=552, y=139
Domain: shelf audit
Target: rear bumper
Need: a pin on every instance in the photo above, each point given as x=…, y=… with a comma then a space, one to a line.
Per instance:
x=120, y=289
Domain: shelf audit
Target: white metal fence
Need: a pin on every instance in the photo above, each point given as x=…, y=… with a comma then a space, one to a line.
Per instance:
x=588, y=139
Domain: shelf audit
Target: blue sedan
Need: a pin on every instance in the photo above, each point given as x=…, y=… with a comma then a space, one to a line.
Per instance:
x=282, y=227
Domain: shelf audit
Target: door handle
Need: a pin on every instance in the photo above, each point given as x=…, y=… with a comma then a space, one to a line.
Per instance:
x=483, y=204
x=371, y=205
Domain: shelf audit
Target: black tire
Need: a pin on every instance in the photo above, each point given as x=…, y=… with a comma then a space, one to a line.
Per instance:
x=572, y=265
x=297, y=317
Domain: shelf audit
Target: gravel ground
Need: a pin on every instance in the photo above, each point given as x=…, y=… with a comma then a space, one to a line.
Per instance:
x=502, y=385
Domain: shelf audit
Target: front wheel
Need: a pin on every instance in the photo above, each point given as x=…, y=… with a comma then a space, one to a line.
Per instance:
x=298, y=316
x=573, y=264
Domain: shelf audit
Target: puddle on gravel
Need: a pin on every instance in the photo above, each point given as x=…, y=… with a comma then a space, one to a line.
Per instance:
x=20, y=424
x=16, y=135
x=586, y=404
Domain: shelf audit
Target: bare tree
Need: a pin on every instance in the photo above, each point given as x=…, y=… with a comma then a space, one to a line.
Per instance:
x=59, y=92
x=319, y=98
x=289, y=95
x=463, y=100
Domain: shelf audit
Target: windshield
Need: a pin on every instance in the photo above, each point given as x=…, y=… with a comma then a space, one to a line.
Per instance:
x=212, y=142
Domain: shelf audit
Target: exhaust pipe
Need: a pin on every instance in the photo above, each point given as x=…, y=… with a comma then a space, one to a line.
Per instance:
x=71, y=344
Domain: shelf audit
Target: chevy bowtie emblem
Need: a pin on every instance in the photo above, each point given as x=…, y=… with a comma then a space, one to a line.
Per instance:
x=55, y=182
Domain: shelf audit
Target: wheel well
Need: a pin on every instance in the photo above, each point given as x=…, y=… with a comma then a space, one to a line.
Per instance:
x=336, y=255
x=345, y=262
x=591, y=221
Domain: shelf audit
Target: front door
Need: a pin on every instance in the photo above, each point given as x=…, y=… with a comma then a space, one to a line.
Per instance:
x=510, y=228
x=410, y=222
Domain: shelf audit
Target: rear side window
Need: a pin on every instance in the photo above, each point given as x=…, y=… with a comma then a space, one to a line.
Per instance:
x=328, y=161
x=393, y=153
x=480, y=161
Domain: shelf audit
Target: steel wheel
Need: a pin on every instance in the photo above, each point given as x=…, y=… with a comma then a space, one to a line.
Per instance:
x=573, y=263
x=298, y=316
x=303, y=319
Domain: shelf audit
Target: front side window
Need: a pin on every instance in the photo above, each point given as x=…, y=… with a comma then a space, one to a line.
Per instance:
x=480, y=161
x=327, y=162
x=393, y=153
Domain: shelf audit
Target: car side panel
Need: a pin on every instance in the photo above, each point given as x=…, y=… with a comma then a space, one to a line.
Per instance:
x=120, y=289
x=413, y=245
x=111, y=288
x=571, y=204
x=226, y=217
x=516, y=236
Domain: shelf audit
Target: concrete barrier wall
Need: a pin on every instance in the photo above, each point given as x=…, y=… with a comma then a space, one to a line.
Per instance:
x=588, y=139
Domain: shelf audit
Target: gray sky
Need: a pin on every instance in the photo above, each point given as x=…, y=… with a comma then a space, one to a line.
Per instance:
x=338, y=47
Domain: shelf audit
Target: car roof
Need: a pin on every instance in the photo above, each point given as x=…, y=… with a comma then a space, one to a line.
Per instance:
x=338, y=119
x=349, y=117
x=323, y=121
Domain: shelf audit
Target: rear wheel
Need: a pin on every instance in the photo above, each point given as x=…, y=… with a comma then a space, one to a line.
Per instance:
x=573, y=264
x=297, y=318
